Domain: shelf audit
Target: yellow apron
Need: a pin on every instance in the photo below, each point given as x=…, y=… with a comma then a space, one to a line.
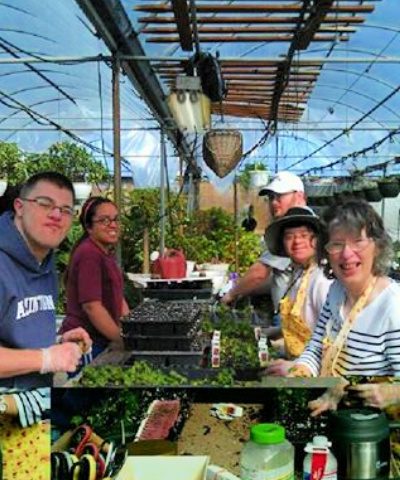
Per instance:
x=26, y=451
x=296, y=332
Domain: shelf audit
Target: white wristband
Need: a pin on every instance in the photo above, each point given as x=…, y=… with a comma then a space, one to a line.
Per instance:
x=46, y=361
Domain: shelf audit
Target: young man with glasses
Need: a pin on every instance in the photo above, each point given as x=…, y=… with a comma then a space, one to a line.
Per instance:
x=42, y=216
x=285, y=191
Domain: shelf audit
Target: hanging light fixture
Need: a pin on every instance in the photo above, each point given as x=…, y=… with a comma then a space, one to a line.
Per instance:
x=190, y=107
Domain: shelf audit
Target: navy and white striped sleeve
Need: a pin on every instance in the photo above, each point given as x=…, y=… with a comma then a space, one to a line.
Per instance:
x=312, y=355
x=33, y=405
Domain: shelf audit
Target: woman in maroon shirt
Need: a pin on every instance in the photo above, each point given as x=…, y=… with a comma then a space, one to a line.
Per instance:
x=95, y=299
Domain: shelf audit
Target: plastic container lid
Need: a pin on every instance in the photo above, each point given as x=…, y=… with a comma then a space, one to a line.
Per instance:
x=319, y=442
x=267, y=433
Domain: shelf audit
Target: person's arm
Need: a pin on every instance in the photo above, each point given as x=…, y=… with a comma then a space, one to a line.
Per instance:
x=125, y=307
x=102, y=320
x=30, y=405
x=328, y=400
x=57, y=358
x=378, y=395
x=253, y=278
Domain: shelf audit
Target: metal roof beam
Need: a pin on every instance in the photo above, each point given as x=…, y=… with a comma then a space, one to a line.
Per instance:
x=114, y=27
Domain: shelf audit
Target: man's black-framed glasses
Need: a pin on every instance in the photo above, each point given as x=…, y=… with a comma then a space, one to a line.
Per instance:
x=49, y=205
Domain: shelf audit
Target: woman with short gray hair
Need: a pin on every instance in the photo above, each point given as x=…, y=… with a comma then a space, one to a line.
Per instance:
x=358, y=331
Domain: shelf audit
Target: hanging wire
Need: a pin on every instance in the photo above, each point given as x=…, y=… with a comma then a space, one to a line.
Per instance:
x=345, y=131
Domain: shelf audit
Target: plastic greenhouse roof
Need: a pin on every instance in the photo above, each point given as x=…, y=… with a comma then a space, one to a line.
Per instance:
x=350, y=118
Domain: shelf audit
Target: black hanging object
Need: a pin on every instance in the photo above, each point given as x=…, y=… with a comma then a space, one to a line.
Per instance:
x=209, y=71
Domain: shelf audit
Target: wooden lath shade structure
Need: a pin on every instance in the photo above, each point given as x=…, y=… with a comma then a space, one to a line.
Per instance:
x=271, y=90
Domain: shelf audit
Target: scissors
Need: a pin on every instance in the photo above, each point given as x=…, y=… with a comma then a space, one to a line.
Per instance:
x=117, y=457
x=84, y=469
x=61, y=464
x=80, y=437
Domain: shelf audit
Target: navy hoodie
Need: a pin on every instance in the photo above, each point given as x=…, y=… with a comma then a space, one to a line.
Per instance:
x=28, y=295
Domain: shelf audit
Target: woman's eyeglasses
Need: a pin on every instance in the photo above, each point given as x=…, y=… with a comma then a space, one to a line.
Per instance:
x=357, y=246
x=48, y=205
x=107, y=221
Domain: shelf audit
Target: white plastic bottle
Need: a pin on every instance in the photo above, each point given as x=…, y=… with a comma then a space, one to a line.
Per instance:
x=319, y=462
x=267, y=455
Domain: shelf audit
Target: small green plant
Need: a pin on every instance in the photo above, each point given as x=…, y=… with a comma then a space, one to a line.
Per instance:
x=70, y=159
x=12, y=164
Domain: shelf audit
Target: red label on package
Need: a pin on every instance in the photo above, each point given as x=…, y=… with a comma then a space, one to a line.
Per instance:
x=318, y=465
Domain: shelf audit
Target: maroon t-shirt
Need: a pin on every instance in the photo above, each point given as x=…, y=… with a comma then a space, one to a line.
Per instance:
x=93, y=275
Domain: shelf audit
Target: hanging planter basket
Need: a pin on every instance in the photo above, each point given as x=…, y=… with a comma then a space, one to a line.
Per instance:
x=3, y=186
x=389, y=188
x=258, y=178
x=372, y=194
x=222, y=150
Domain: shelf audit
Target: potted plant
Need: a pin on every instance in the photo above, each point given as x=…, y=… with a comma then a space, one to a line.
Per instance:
x=254, y=175
x=74, y=162
x=389, y=187
x=12, y=166
x=371, y=191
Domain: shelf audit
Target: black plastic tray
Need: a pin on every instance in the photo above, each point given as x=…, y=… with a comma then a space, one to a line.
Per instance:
x=178, y=294
x=162, y=343
x=166, y=359
x=160, y=327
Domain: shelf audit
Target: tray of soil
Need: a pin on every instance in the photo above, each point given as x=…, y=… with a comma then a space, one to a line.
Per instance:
x=197, y=289
x=162, y=318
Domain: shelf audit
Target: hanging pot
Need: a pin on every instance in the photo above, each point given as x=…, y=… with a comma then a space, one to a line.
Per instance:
x=82, y=191
x=222, y=150
x=389, y=188
x=258, y=178
x=372, y=194
x=3, y=186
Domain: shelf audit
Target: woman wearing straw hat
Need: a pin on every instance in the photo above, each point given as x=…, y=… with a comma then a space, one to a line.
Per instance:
x=296, y=235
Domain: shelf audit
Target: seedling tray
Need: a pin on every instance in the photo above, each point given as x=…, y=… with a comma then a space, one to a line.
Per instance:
x=185, y=289
x=178, y=294
x=160, y=327
x=162, y=343
x=165, y=359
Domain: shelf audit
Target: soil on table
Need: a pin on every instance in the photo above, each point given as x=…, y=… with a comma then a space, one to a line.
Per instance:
x=221, y=440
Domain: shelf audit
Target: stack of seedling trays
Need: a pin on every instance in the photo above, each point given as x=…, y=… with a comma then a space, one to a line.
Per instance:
x=164, y=333
x=195, y=289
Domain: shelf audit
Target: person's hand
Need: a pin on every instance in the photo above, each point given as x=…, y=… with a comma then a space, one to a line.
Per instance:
x=378, y=395
x=279, y=368
x=299, y=370
x=228, y=298
x=329, y=400
x=78, y=335
x=64, y=357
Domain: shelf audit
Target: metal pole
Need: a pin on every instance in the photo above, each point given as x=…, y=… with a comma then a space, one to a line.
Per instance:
x=276, y=152
x=310, y=61
x=235, y=209
x=116, y=68
x=162, y=193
